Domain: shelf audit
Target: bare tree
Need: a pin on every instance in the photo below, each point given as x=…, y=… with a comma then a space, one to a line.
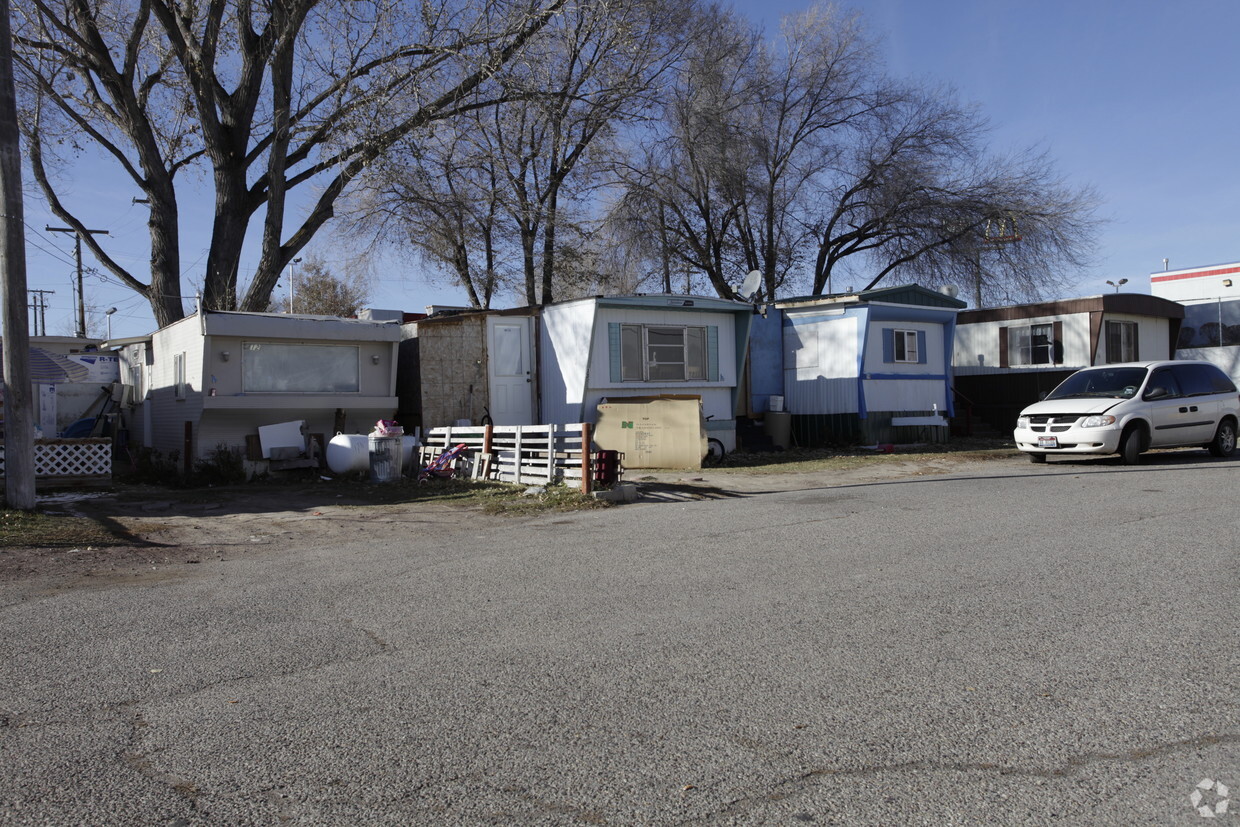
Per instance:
x=918, y=197
x=817, y=90
x=799, y=149
x=271, y=97
x=509, y=191
x=320, y=292
x=441, y=198
x=687, y=183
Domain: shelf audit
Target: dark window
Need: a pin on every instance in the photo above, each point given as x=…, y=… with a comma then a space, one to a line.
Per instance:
x=1211, y=324
x=1200, y=380
x=1121, y=341
x=1165, y=379
x=1032, y=345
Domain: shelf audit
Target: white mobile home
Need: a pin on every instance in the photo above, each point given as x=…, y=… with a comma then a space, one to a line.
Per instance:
x=213, y=378
x=1005, y=357
x=618, y=347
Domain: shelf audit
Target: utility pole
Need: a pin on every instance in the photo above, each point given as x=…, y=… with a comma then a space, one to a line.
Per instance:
x=40, y=304
x=18, y=401
x=77, y=252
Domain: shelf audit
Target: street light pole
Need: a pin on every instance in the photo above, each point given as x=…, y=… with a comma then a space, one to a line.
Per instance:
x=109, y=313
x=1117, y=284
x=292, y=277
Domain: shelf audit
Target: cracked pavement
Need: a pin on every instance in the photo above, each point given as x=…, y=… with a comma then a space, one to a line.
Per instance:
x=1004, y=644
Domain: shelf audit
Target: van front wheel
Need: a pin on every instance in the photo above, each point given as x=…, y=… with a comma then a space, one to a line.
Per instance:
x=1130, y=446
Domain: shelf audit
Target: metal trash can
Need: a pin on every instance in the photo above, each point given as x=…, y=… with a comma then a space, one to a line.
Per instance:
x=385, y=458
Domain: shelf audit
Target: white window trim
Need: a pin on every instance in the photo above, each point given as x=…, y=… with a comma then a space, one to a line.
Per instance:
x=1021, y=355
x=647, y=363
x=906, y=341
x=179, y=385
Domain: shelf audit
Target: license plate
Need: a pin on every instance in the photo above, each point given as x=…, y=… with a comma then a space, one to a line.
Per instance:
x=1048, y=442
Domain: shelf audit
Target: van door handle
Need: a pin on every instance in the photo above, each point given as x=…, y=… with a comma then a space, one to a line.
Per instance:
x=1190, y=409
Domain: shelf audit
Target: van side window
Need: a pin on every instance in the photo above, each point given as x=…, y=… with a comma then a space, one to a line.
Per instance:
x=1201, y=380
x=1163, y=378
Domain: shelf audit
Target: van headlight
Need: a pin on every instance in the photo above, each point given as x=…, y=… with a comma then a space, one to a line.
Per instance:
x=1022, y=422
x=1102, y=421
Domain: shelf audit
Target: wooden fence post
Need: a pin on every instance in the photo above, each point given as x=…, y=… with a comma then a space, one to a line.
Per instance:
x=551, y=429
x=189, y=447
x=520, y=458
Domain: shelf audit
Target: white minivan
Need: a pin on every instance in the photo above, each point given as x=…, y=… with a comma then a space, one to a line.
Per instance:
x=1129, y=408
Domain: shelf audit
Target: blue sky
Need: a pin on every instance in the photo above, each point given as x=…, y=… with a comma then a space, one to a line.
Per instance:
x=1137, y=99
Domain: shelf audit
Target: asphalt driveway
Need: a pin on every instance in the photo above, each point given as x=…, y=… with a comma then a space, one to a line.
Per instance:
x=1006, y=644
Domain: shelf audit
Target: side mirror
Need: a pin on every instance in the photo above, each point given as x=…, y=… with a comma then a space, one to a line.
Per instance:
x=1042, y=395
x=1157, y=393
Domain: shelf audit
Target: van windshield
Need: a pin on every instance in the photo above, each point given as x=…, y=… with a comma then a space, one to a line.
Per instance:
x=1118, y=383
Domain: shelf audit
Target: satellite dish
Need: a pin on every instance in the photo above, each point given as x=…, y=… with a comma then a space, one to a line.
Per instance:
x=950, y=290
x=751, y=284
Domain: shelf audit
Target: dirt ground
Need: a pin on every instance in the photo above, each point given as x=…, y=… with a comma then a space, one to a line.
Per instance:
x=162, y=531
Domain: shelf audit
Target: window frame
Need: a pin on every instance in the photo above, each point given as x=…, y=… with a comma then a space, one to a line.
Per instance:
x=904, y=346
x=641, y=372
x=251, y=385
x=1017, y=348
x=1122, y=353
x=180, y=387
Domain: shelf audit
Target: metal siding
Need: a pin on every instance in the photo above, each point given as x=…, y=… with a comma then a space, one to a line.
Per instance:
x=288, y=327
x=979, y=345
x=766, y=359
x=598, y=377
x=565, y=333
x=905, y=395
x=168, y=414
x=824, y=381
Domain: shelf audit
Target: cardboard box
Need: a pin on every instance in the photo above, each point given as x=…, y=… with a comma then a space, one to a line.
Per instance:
x=653, y=431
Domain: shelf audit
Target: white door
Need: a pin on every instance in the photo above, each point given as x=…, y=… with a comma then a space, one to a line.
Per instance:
x=510, y=371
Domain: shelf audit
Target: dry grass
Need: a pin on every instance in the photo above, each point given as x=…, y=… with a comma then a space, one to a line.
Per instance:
x=24, y=529
x=827, y=459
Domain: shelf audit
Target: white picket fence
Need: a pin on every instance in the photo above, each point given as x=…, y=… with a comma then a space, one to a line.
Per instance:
x=70, y=460
x=527, y=454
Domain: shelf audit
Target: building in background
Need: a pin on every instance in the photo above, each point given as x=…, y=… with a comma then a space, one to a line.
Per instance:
x=1009, y=357
x=1211, y=299
x=212, y=379
x=70, y=379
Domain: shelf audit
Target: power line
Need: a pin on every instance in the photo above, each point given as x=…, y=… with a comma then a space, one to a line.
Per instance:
x=40, y=304
x=77, y=250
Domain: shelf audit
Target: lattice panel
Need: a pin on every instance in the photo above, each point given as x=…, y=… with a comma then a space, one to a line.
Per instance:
x=71, y=458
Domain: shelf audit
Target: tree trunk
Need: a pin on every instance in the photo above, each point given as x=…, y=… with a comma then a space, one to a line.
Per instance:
x=549, y=227
x=164, y=294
